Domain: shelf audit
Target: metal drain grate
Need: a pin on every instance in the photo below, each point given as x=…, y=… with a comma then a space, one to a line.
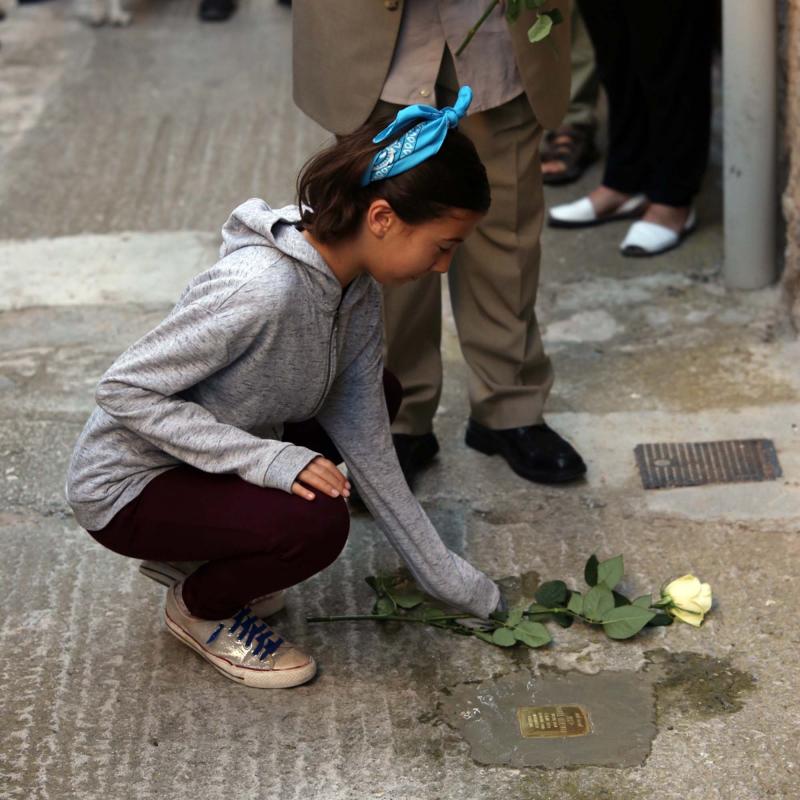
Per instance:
x=666, y=466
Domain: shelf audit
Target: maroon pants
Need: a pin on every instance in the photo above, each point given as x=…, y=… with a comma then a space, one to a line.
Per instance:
x=255, y=540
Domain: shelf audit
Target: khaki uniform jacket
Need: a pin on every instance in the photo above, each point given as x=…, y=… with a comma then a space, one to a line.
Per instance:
x=342, y=53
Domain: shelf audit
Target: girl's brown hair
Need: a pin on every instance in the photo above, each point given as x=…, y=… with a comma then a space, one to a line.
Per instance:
x=333, y=201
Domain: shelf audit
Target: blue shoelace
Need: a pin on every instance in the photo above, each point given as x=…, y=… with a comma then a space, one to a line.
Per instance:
x=254, y=629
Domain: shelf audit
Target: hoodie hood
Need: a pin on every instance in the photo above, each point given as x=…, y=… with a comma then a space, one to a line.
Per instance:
x=254, y=223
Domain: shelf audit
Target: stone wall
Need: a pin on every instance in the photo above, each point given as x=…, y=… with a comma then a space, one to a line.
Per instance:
x=790, y=105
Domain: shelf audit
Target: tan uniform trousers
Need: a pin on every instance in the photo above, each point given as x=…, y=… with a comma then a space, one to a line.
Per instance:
x=493, y=281
x=585, y=85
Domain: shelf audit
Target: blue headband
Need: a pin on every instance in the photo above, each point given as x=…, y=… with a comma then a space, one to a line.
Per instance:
x=419, y=142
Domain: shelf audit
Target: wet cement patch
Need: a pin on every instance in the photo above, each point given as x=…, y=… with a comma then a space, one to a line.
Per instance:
x=692, y=684
x=519, y=589
x=505, y=722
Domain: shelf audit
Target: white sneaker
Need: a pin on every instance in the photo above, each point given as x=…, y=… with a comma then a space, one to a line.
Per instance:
x=650, y=238
x=243, y=648
x=168, y=573
x=581, y=213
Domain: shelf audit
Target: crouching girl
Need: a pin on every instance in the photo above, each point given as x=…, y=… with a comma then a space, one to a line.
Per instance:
x=216, y=436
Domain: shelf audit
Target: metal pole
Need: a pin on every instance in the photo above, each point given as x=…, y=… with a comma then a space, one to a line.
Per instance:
x=749, y=65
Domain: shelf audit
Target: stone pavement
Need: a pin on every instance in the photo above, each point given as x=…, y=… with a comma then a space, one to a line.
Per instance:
x=122, y=152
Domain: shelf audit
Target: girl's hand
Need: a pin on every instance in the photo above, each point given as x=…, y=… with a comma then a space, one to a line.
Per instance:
x=323, y=475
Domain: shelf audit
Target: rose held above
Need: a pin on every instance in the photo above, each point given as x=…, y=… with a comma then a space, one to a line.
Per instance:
x=688, y=599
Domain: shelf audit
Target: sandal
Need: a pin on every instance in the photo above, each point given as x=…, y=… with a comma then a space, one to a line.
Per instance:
x=651, y=239
x=581, y=213
x=574, y=148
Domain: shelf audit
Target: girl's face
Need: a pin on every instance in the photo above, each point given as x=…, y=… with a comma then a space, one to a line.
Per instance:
x=395, y=253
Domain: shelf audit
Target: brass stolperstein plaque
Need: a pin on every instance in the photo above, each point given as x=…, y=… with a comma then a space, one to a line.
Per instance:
x=553, y=722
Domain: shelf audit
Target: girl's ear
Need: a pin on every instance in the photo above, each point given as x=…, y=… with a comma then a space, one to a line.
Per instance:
x=380, y=218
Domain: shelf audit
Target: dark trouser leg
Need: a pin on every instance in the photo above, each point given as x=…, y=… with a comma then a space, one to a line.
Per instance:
x=671, y=42
x=611, y=34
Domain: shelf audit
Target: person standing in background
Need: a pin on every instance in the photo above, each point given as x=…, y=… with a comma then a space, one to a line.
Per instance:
x=654, y=61
x=367, y=60
x=570, y=149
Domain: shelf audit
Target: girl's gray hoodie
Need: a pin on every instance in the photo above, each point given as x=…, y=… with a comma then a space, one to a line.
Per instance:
x=264, y=337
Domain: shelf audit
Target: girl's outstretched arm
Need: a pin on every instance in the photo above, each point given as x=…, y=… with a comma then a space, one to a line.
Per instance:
x=356, y=419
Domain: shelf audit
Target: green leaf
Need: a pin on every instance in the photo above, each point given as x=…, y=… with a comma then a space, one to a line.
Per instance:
x=620, y=599
x=540, y=29
x=534, y=628
x=408, y=599
x=531, y=4
x=431, y=613
x=533, y=634
x=645, y=601
x=598, y=602
x=513, y=8
x=575, y=604
x=375, y=583
x=514, y=616
x=590, y=571
x=554, y=14
x=552, y=593
x=660, y=619
x=486, y=637
x=564, y=620
x=610, y=572
x=626, y=621
x=384, y=606
x=504, y=637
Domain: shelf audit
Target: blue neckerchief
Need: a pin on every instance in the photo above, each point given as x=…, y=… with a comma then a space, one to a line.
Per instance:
x=420, y=141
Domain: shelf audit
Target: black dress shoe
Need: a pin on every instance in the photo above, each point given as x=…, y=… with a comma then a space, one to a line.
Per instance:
x=535, y=452
x=413, y=452
x=216, y=10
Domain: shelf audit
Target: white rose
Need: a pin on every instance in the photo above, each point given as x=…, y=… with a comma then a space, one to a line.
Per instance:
x=689, y=599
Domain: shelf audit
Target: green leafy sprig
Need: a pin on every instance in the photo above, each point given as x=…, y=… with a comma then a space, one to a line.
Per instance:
x=601, y=605
x=540, y=30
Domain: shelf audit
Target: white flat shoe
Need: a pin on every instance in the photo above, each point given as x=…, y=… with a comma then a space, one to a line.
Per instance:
x=650, y=239
x=581, y=213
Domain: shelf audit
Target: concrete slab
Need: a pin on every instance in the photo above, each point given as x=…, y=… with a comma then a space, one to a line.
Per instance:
x=93, y=270
x=52, y=357
x=166, y=125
